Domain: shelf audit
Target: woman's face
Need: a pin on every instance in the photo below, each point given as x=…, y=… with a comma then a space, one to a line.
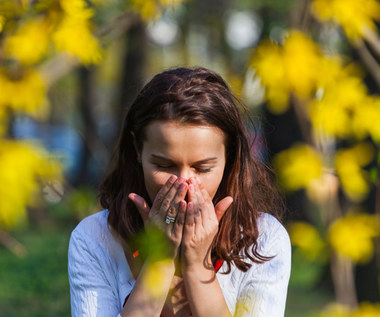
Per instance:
x=185, y=151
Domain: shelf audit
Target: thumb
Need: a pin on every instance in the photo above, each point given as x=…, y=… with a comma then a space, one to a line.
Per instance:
x=222, y=206
x=141, y=205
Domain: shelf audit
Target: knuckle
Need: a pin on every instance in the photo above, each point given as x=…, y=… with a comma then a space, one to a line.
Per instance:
x=165, y=203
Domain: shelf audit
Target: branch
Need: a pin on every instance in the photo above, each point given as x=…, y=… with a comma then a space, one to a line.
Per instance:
x=373, y=40
x=12, y=244
x=372, y=66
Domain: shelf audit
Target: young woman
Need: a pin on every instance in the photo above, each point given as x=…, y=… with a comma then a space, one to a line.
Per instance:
x=186, y=229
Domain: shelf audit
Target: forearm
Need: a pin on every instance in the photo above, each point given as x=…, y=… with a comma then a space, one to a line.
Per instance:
x=204, y=293
x=150, y=290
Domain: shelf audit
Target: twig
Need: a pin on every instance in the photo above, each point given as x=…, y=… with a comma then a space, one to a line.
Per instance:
x=373, y=40
x=372, y=66
x=12, y=244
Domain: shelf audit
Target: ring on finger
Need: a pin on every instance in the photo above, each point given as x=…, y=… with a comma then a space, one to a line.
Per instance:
x=169, y=219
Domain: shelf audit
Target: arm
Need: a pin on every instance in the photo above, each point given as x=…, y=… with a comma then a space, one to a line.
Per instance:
x=153, y=283
x=202, y=287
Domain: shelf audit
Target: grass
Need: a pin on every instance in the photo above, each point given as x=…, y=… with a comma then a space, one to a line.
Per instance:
x=37, y=284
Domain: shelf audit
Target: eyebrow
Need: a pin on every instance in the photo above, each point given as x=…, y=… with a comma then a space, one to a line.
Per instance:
x=207, y=160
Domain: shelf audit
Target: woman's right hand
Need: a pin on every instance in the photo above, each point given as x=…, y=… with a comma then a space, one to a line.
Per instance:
x=169, y=201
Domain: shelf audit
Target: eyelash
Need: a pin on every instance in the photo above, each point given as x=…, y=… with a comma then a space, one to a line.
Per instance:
x=199, y=170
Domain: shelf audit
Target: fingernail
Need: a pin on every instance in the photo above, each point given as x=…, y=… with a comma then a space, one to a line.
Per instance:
x=181, y=180
x=183, y=186
x=172, y=178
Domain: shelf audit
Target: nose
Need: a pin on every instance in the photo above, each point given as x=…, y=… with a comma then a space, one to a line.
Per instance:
x=186, y=173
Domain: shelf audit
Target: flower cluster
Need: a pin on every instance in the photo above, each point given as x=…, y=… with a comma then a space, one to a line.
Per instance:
x=353, y=236
x=23, y=166
x=354, y=16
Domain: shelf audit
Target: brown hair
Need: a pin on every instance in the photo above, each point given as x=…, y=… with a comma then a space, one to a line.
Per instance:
x=201, y=97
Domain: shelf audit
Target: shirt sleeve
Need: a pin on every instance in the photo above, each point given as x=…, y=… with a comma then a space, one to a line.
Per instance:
x=91, y=291
x=264, y=287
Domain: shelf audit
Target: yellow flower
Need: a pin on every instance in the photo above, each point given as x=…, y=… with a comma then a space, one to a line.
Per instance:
x=353, y=235
x=30, y=42
x=297, y=167
x=307, y=239
x=365, y=116
x=293, y=67
x=349, y=163
x=268, y=63
x=73, y=34
x=27, y=93
x=2, y=22
x=22, y=165
x=152, y=9
x=367, y=310
x=335, y=310
x=354, y=16
x=302, y=60
x=333, y=111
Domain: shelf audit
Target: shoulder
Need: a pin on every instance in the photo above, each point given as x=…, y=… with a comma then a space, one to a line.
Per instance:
x=93, y=225
x=272, y=235
x=93, y=235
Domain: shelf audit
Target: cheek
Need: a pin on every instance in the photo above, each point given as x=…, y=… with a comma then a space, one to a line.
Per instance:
x=212, y=182
x=154, y=182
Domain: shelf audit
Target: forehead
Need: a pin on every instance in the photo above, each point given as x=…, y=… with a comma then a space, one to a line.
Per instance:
x=174, y=138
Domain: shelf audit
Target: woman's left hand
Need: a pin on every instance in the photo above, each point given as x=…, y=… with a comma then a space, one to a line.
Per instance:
x=201, y=225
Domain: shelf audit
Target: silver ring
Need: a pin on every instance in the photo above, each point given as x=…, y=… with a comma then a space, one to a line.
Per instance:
x=169, y=220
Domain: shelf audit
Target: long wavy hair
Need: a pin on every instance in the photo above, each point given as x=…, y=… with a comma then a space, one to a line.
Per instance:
x=197, y=97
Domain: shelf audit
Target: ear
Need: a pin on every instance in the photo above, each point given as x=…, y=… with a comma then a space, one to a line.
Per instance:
x=138, y=153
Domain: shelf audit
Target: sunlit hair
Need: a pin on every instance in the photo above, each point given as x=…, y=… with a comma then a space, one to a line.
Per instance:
x=196, y=97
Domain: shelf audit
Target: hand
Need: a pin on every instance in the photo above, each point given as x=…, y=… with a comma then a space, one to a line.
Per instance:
x=169, y=201
x=201, y=225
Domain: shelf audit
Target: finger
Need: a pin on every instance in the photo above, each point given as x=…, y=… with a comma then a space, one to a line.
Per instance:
x=188, y=229
x=179, y=195
x=168, y=205
x=222, y=206
x=141, y=205
x=180, y=219
x=163, y=192
x=191, y=193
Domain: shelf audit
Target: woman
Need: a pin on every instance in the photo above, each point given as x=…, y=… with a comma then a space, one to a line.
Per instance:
x=186, y=229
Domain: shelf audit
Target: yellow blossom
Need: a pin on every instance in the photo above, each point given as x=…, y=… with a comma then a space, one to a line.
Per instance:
x=342, y=96
x=30, y=42
x=297, y=167
x=268, y=62
x=22, y=165
x=335, y=310
x=365, y=116
x=354, y=16
x=2, y=22
x=307, y=239
x=367, y=310
x=27, y=93
x=152, y=9
x=353, y=235
x=73, y=34
x=349, y=163
x=291, y=68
